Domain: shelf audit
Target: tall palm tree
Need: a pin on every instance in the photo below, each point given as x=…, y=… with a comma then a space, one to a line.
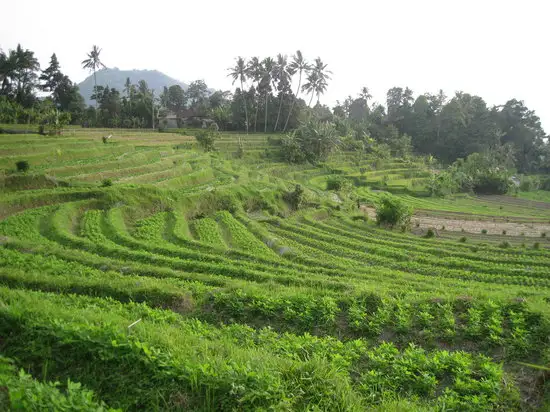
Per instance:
x=239, y=72
x=300, y=65
x=255, y=72
x=318, y=79
x=93, y=62
x=282, y=76
x=311, y=83
x=268, y=65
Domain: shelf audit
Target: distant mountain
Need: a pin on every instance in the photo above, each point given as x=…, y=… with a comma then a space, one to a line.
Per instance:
x=116, y=78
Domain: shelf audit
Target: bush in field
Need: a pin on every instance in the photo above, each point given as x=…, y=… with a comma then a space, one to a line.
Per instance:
x=207, y=138
x=313, y=141
x=106, y=183
x=22, y=166
x=392, y=211
x=295, y=198
x=529, y=183
x=492, y=183
x=338, y=183
x=429, y=234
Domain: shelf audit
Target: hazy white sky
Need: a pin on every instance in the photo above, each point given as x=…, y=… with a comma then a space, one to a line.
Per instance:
x=496, y=49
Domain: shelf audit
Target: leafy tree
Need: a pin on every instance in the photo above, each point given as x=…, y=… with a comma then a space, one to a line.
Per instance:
x=19, y=74
x=239, y=72
x=197, y=94
x=51, y=76
x=467, y=126
x=521, y=128
x=176, y=98
x=93, y=62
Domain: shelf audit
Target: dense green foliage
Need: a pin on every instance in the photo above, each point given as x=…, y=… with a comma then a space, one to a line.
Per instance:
x=392, y=211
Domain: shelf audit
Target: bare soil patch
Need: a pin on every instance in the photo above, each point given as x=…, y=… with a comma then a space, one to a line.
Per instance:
x=494, y=226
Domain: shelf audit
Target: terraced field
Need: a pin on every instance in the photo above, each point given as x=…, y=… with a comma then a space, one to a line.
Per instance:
x=190, y=284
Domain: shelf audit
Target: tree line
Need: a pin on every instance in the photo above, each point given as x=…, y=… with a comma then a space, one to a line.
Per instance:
x=275, y=94
x=448, y=128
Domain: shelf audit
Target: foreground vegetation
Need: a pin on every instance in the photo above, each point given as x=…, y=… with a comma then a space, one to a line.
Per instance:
x=232, y=280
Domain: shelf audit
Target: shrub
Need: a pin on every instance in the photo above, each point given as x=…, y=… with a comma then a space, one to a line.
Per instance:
x=429, y=234
x=536, y=245
x=443, y=227
x=484, y=231
x=295, y=198
x=543, y=234
x=207, y=138
x=463, y=239
x=504, y=232
x=313, y=141
x=504, y=245
x=491, y=184
x=22, y=166
x=363, y=218
x=338, y=183
x=106, y=183
x=392, y=211
x=529, y=183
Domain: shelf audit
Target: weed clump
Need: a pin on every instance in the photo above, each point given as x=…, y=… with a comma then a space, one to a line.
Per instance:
x=429, y=234
x=462, y=239
x=106, y=183
x=484, y=231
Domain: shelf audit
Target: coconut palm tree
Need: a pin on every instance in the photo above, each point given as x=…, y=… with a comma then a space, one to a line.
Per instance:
x=317, y=80
x=93, y=63
x=282, y=75
x=268, y=65
x=299, y=65
x=255, y=72
x=239, y=72
x=310, y=84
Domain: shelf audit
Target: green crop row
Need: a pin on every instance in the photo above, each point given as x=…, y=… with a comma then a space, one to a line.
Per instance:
x=144, y=365
x=20, y=392
x=207, y=231
x=240, y=237
x=400, y=260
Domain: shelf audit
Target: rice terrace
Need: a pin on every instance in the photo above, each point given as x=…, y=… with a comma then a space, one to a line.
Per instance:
x=229, y=251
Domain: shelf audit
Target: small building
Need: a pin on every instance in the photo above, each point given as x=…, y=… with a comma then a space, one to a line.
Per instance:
x=185, y=118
